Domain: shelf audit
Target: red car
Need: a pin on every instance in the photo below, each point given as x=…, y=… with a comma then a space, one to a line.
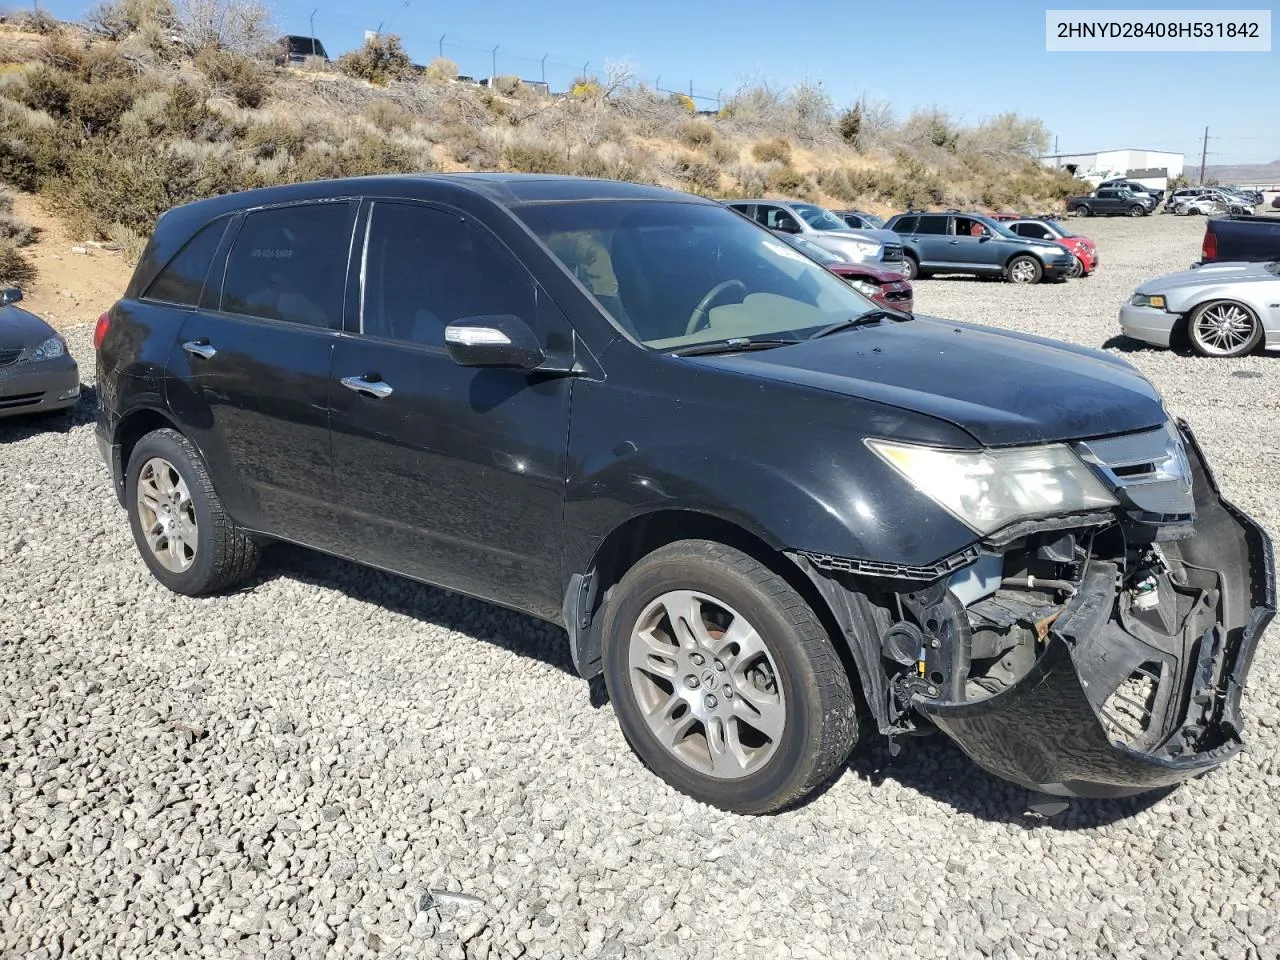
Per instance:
x=1081, y=248
x=884, y=285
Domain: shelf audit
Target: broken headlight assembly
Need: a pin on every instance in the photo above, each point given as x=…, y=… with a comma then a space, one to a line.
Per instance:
x=989, y=489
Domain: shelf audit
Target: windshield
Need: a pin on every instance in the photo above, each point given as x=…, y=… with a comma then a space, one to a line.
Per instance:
x=819, y=218
x=872, y=220
x=677, y=274
x=999, y=229
x=1055, y=228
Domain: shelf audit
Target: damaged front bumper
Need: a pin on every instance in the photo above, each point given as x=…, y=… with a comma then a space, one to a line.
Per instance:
x=1126, y=696
x=1094, y=655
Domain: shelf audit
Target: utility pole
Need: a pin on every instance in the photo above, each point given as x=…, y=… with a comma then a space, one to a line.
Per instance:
x=584, y=67
x=1204, y=153
x=544, y=67
x=313, y=31
x=1055, y=143
x=441, y=48
x=494, y=76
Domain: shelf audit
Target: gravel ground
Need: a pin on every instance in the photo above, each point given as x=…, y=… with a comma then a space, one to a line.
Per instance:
x=336, y=762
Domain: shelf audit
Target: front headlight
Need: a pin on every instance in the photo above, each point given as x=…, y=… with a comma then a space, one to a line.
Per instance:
x=866, y=251
x=989, y=489
x=865, y=287
x=1147, y=300
x=51, y=349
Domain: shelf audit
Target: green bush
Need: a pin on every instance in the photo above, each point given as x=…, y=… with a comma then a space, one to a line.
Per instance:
x=127, y=183
x=529, y=158
x=241, y=76
x=849, y=126
x=379, y=61
x=789, y=182
x=97, y=107
x=772, y=151
x=700, y=177
x=32, y=149
x=48, y=89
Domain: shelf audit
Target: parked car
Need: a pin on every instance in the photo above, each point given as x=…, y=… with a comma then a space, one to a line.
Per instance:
x=1133, y=186
x=744, y=489
x=824, y=228
x=1112, y=200
x=1082, y=248
x=860, y=219
x=296, y=49
x=974, y=244
x=1222, y=309
x=1204, y=205
x=37, y=373
x=889, y=288
x=1240, y=238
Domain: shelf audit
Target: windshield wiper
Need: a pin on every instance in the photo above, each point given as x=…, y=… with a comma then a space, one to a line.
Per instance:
x=861, y=320
x=732, y=345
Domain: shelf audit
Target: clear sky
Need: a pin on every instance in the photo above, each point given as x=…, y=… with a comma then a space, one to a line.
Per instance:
x=972, y=58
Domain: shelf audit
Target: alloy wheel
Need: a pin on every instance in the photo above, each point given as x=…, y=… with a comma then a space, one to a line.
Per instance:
x=1024, y=271
x=1077, y=268
x=167, y=515
x=706, y=684
x=1224, y=329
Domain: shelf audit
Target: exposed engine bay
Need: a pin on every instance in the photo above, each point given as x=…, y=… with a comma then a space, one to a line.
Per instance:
x=1094, y=655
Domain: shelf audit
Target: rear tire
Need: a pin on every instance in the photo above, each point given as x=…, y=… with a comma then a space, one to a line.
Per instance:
x=1024, y=270
x=186, y=539
x=745, y=634
x=1081, y=210
x=1137, y=210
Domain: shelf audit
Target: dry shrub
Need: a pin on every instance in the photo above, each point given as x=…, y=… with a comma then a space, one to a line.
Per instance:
x=118, y=19
x=240, y=26
x=699, y=176
x=15, y=269
x=389, y=116
x=786, y=181
x=97, y=107
x=17, y=232
x=507, y=86
x=379, y=61
x=772, y=151
x=535, y=158
x=31, y=148
x=242, y=77
x=441, y=70
x=35, y=21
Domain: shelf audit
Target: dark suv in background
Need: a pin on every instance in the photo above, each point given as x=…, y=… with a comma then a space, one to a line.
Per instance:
x=762, y=506
x=977, y=245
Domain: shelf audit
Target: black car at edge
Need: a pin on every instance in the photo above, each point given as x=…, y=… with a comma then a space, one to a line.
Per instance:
x=764, y=508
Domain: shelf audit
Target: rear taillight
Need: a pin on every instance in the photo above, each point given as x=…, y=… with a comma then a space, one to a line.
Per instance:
x=1209, y=249
x=100, y=331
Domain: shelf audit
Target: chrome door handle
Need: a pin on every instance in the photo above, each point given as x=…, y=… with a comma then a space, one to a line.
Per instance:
x=200, y=348
x=369, y=388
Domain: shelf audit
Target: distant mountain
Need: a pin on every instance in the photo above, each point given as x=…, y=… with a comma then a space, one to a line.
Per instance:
x=1240, y=172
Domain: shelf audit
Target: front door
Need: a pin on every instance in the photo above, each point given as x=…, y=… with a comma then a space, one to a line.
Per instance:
x=450, y=474
x=252, y=367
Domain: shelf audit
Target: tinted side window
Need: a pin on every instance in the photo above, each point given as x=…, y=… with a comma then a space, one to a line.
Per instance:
x=906, y=225
x=932, y=225
x=427, y=268
x=290, y=263
x=182, y=279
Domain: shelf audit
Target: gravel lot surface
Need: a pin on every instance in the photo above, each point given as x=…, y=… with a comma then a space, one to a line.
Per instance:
x=337, y=762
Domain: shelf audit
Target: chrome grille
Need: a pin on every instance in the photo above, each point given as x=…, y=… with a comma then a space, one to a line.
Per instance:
x=9, y=354
x=1149, y=469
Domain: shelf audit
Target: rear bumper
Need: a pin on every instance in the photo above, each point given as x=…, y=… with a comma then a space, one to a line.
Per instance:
x=27, y=387
x=1047, y=731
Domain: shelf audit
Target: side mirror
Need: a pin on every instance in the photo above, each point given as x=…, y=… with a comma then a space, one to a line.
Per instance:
x=788, y=226
x=503, y=340
x=984, y=237
x=9, y=295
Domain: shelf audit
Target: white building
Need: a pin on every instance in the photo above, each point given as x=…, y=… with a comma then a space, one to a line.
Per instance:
x=1151, y=168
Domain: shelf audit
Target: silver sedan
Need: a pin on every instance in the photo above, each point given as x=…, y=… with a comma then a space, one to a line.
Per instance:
x=37, y=374
x=1221, y=309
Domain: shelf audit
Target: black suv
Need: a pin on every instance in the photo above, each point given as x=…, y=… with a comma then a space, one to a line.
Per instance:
x=955, y=242
x=760, y=505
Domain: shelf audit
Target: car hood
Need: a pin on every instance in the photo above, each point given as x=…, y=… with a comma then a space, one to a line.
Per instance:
x=879, y=236
x=1209, y=274
x=1045, y=391
x=21, y=329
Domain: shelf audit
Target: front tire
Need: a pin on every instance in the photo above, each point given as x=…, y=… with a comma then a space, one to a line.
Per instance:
x=724, y=681
x=1223, y=328
x=1024, y=270
x=1137, y=210
x=179, y=525
x=1081, y=210
x=1077, y=269
x=910, y=268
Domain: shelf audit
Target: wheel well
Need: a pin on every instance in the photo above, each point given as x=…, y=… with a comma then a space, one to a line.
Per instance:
x=639, y=537
x=134, y=427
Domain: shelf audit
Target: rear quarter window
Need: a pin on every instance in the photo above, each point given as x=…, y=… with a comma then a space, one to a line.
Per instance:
x=182, y=279
x=905, y=225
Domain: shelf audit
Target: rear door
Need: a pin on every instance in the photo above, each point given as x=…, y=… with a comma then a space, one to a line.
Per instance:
x=450, y=474
x=252, y=366
x=933, y=240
